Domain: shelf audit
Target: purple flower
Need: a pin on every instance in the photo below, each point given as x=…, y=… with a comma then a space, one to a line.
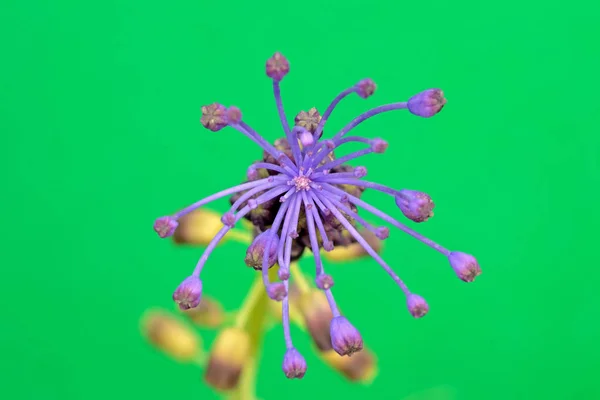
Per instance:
x=345, y=338
x=307, y=196
x=294, y=365
x=188, y=293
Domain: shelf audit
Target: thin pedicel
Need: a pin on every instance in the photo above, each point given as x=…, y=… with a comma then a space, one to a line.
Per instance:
x=309, y=198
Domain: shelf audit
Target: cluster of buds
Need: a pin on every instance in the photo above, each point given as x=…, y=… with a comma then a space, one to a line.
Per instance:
x=301, y=194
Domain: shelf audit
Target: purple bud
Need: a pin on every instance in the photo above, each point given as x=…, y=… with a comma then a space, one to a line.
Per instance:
x=252, y=204
x=228, y=219
x=328, y=246
x=276, y=291
x=428, y=103
x=345, y=338
x=165, y=226
x=465, y=265
x=188, y=293
x=283, y=273
x=213, y=117
x=382, y=232
x=416, y=206
x=330, y=144
x=252, y=173
x=256, y=252
x=324, y=281
x=365, y=88
x=379, y=145
x=294, y=365
x=417, y=306
x=233, y=115
x=277, y=67
x=360, y=172
x=306, y=138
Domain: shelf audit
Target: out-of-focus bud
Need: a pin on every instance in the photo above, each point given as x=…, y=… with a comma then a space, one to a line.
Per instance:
x=165, y=226
x=354, y=250
x=361, y=367
x=188, y=293
x=214, y=117
x=171, y=335
x=294, y=364
x=317, y=315
x=256, y=252
x=416, y=206
x=208, y=314
x=417, y=306
x=427, y=103
x=228, y=356
x=365, y=88
x=277, y=67
x=465, y=265
x=345, y=338
x=198, y=228
x=308, y=120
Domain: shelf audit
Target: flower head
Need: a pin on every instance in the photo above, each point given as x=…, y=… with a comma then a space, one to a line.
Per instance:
x=188, y=293
x=345, y=338
x=308, y=196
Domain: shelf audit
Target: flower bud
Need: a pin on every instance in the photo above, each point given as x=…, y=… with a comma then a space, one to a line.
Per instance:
x=165, y=226
x=306, y=138
x=361, y=367
x=379, y=145
x=317, y=315
x=382, y=232
x=171, y=336
x=294, y=365
x=256, y=251
x=465, y=265
x=360, y=172
x=213, y=117
x=208, y=314
x=324, y=281
x=365, y=88
x=229, y=354
x=417, y=306
x=416, y=206
x=188, y=293
x=308, y=120
x=276, y=291
x=277, y=67
x=427, y=103
x=345, y=338
x=228, y=219
x=198, y=228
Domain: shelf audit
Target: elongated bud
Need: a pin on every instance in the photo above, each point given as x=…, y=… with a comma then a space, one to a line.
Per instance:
x=294, y=365
x=256, y=252
x=213, y=117
x=365, y=88
x=208, y=314
x=317, y=315
x=171, y=335
x=417, y=306
x=416, y=206
x=165, y=226
x=308, y=120
x=188, y=293
x=361, y=367
x=198, y=228
x=228, y=356
x=277, y=67
x=465, y=265
x=427, y=103
x=345, y=338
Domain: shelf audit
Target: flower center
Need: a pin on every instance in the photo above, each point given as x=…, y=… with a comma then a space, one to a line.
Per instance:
x=302, y=183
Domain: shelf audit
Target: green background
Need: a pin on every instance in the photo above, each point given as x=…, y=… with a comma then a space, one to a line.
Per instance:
x=100, y=133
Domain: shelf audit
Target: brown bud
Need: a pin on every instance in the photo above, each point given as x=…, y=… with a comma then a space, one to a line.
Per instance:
x=308, y=120
x=228, y=356
x=198, y=227
x=317, y=315
x=361, y=367
x=208, y=314
x=171, y=335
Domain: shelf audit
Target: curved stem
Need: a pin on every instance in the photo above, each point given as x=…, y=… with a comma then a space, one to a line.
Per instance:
x=371, y=113
x=293, y=141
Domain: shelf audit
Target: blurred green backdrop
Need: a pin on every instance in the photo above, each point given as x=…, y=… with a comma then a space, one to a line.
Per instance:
x=99, y=114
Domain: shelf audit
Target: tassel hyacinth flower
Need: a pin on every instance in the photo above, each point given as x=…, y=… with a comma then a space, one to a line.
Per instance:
x=301, y=196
